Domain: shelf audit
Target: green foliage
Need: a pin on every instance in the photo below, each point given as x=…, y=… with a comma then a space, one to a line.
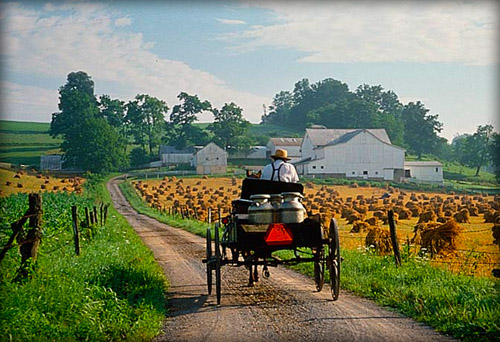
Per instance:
x=113, y=291
x=474, y=150
x=230, y=128
x=138, y=157
x=146, y=115
x=180, y=130
x=420, y=129
x=495, y=154
x=89, y=143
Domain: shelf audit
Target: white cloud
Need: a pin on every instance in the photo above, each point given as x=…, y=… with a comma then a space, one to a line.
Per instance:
x=388, y=31
x=62, y=39
x=27, y=103
x=125, y=21
x=231, y=21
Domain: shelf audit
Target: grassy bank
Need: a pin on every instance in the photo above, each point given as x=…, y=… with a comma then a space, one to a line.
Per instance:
x=465, y=307
x=113, y=291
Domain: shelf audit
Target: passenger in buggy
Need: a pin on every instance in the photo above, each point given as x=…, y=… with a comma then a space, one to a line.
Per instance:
x=279, y=170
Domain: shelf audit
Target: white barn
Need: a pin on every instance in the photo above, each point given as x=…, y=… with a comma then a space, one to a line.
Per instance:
x=291, y=145
x=169, y=155
x=424, y=171
x=350, y=153
x=210, y=159
x=51, y=162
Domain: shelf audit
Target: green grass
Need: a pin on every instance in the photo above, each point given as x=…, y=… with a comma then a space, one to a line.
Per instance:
x=24, y=142
x=462, y=306
x=113, y=291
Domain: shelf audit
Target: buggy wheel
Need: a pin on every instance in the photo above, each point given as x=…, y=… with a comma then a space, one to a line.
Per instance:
x=319, y=269
x=334, y=258
x=209, y=261
x=217, y=265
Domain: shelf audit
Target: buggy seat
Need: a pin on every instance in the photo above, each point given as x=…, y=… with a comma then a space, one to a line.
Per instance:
x=253, y=186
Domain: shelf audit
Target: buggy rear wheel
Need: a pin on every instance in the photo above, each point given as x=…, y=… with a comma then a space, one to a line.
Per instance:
x=334, y=258
x=319, y=269
x=209, y=261
x=217, y=264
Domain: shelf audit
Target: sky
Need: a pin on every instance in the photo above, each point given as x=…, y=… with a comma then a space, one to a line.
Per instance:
x=442, y=53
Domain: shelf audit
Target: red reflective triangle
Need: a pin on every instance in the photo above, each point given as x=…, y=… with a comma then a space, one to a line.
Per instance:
x=278, y=234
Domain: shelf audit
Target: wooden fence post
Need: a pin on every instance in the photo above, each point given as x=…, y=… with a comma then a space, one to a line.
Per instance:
x=29, y=242
x=394, y=238
x=87, y=217
x=106, y=212
x=101, y=213
x=95, y=215
x=76, y=233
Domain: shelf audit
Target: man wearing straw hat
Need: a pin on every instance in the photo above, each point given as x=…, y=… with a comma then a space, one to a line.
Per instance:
x=279, y=170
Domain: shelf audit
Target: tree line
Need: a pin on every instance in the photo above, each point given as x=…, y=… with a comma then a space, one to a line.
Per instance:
x=330, y=103
x=96, y=132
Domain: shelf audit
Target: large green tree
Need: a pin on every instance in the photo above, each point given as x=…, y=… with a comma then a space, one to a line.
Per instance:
x=89, y=142
x=495, y=153
x=474, y=150
x=146, y=115
x=421, y=129
x=181, y=131
x=230, y=128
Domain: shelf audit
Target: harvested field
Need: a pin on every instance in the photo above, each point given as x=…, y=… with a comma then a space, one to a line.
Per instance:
x=471, y=250
x=21, y=181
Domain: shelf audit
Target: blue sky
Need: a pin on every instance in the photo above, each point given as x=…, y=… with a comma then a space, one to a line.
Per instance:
x=442, y=53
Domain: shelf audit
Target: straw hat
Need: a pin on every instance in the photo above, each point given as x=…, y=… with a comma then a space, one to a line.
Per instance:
x=280, y=154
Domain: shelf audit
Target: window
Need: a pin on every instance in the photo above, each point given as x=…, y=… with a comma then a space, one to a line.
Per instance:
x=217, y=158
x=437, y=169
x=322, y=167
x=376, y=172
x=353, y=172
x=314, y=166
x=206, y=158
x=365, y=172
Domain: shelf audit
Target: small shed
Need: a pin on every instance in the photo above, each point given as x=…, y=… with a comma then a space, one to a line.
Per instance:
x=254, y=152
x=170, y=155
x=211, y=159
x=424, y=171
x=51, y=162
x=291, y=145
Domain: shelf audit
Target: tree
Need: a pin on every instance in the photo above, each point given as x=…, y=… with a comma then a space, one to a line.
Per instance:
x=146, y=115
x=183, y=115
x=229, y=127
x=420, y=129
x=495, y=153
x=474, y=150
x=89, y=142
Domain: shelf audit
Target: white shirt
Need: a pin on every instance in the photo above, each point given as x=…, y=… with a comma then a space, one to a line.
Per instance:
x=287, y=172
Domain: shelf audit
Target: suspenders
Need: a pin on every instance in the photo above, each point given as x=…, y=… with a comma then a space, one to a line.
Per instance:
x=278, y=169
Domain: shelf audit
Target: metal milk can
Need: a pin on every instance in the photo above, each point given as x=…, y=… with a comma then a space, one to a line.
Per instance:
x=291, y=210
x=260, y=211
x=276, y=200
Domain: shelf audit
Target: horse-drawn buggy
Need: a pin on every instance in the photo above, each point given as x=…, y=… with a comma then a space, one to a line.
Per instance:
x=269, y=217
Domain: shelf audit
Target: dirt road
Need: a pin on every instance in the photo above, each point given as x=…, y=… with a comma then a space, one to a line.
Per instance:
x=284, y=307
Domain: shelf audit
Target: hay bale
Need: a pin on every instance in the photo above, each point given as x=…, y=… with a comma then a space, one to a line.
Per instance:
x=496, y=234
x=462, y=216
x=379, y=239
x=491, y=216
x=372, y=221
x=359, y=226
x=427, y=216
x=442, y=239
x=404, y=214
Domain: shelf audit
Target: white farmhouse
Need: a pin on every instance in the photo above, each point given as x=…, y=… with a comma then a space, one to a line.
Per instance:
x=169, y=155
x=292, y=145
x=210, y=159
x=350, y=153
x=424, y=171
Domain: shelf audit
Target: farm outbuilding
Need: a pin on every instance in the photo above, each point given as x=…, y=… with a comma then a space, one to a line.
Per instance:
x=211, y=159
x=254, y=152
x=170, y=155
x=350, y=153
x=292, y=145
x=52, y=162
x=424, y=171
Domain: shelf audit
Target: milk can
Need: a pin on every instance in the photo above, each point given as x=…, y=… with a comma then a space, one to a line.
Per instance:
x=291, y=210
x=276, y=200
x=260, y=211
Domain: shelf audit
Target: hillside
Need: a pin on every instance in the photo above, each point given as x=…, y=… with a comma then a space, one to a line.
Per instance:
x=24, y=142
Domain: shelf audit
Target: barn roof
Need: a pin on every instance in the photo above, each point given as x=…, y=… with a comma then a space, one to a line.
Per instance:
x=286, y=141
x=322, y=136
x=432, y=163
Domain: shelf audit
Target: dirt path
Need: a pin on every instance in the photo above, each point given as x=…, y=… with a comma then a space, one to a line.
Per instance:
x=284, y=307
